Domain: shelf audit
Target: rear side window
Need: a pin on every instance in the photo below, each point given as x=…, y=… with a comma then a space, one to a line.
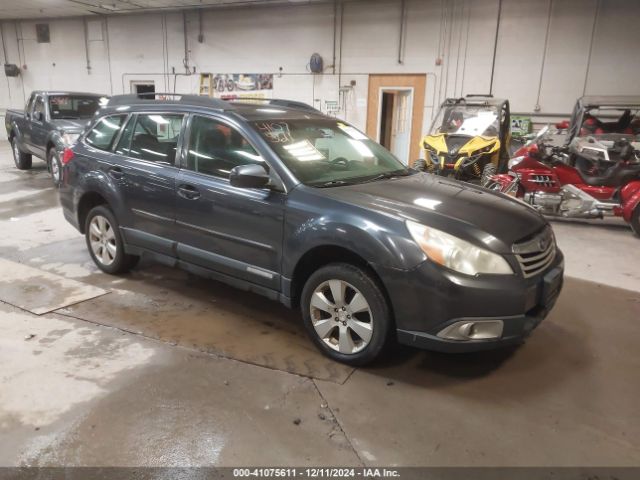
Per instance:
x=104, y=132
x=154, y=137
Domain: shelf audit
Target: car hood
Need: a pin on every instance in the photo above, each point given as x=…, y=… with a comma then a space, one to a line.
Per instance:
x=461, y=209
x=68, y=125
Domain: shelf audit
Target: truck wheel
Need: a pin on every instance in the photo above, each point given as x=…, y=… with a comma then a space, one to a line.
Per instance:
x=346, y=314
x=104, y=242
x=635, y=221
x=55, y=166
x=21, y=159
x=488, y=171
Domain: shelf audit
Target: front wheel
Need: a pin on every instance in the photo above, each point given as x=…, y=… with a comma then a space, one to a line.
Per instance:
x=21, y=159
x=55, y=166
x=488, y=171
x=346, y=313
x=635, y=221
x=104, y=242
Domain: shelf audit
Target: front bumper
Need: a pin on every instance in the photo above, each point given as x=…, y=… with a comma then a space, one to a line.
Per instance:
x=429, y=299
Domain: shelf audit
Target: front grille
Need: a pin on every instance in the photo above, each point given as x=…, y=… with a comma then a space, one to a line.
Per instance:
x=536, y=253
x=543, y=180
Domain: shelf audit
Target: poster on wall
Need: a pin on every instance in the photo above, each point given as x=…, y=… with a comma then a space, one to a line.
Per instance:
x=243, y=85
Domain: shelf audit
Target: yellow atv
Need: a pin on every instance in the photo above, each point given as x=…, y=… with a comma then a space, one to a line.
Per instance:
x=469, y=138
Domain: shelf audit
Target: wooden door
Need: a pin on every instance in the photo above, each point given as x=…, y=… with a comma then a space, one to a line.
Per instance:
x=376, y=84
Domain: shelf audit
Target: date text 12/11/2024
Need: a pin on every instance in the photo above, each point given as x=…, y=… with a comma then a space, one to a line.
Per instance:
x=290, y=473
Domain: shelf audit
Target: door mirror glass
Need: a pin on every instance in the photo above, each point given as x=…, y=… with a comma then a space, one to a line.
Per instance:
x=249, y=176
x=38, y=116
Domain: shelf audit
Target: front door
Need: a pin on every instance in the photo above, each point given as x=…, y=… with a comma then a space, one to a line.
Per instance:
x=235, y=231
x=38, y=132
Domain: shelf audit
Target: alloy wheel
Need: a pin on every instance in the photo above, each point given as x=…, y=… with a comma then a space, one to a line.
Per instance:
x=103, y=240
x=55, y=167
x=341, y=316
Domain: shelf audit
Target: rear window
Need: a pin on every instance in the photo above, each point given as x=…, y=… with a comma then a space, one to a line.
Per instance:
x=105, y=131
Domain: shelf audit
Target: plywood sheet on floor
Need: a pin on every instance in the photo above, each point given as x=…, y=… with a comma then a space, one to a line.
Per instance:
x=38, y=291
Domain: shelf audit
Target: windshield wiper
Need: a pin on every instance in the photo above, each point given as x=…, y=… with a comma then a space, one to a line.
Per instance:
x=387, y=175
x=334, y=183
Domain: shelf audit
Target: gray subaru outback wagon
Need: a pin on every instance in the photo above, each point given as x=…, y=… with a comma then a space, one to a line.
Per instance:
x=278, y=199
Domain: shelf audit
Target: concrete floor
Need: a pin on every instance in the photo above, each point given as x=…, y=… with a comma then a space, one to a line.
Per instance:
x=158, y=368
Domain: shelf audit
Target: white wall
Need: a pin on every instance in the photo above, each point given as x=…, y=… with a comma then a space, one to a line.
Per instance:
x=263, y=39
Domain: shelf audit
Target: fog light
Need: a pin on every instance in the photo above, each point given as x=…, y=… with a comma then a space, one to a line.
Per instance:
x=465, y=330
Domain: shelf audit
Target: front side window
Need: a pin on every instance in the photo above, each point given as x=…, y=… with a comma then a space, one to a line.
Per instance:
x=155, y=137
x=324, y=152
x=105, y=131
x=38, y=107
x=73, y=107
x=215, y=148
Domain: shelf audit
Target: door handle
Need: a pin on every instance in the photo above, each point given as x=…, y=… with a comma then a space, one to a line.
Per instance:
x=189, y=192
x=116, y=173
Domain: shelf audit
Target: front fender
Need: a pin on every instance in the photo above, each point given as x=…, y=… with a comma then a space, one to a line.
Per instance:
x=385, y=242
x=55, y=138
x=630, y=195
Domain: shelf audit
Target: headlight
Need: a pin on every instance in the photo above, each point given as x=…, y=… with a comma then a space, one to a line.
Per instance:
x=457, y=254
x=70, y=138
x=515, y=161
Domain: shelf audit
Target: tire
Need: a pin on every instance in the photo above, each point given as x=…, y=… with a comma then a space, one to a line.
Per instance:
x=22, y=160
x=488, y=171
x=55, y=166
x=104, y=242
x=352, y=331
x=635, y=221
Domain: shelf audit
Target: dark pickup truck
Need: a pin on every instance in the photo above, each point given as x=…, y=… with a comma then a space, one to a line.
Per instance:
x=50, y=122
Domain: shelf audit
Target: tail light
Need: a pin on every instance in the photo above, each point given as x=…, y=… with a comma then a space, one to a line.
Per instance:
x=67, y=156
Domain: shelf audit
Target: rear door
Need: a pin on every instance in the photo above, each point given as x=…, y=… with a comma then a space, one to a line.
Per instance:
x=236, y=231
x=147, y=149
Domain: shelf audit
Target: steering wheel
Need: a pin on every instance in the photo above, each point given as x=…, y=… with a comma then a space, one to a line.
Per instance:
x=340, y=162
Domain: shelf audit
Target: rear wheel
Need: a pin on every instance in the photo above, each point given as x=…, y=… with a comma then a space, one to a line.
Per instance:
x=635, y=221
x=55, y=166
x=346, y=313
x=21, y=159
x=488, y=171
x=104, y=242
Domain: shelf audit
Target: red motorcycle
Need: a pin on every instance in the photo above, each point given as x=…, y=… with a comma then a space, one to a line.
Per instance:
x=592, y=178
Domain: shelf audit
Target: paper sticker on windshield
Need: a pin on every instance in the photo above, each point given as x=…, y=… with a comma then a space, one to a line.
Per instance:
x=276, y=132
x=352, y=132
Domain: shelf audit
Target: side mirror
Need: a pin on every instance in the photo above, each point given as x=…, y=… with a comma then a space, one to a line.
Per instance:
x=249, y=176
x=38, y=116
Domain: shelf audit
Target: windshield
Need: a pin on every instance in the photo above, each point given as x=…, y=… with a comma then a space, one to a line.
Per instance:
x=469, y=120
x=328, y=152
x=611, y=120
x=72, y=107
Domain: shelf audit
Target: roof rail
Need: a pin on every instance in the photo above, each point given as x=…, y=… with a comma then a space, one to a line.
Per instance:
x=487, y=95
x=137, y=98
x=278, y=102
